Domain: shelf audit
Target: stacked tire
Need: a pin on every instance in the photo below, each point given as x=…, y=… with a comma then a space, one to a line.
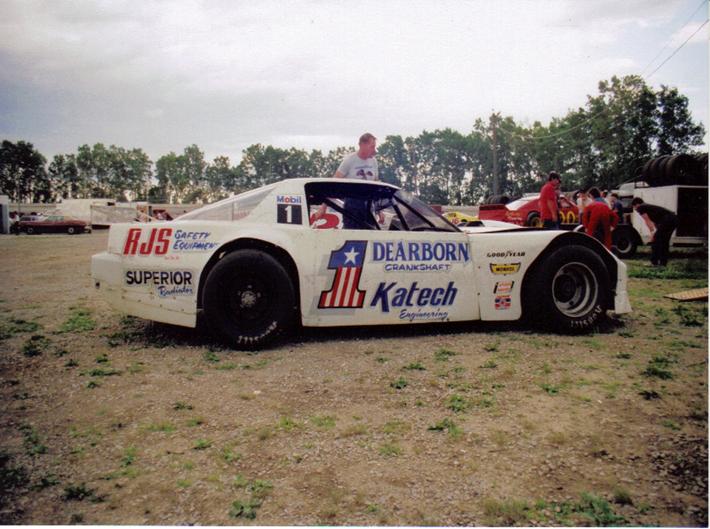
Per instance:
x=681, y=169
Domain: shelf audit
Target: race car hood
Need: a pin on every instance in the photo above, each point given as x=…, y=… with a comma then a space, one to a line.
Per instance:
x=490, y=226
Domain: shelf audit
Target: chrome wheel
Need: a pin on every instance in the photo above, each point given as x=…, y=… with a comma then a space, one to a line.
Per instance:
x=575, y=290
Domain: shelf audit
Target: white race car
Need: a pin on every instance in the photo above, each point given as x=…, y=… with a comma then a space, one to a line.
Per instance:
x=258, y=264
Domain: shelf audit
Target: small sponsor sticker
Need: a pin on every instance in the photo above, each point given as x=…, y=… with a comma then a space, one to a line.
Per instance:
x=504, y=269
x=502, y=302
x=504, y=287
x=288, y=199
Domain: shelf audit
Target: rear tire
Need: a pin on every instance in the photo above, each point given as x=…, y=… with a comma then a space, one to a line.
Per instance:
x=249, y=299
x=71, y=230
x=624, y=242
x=29, y=230
x=568, y=290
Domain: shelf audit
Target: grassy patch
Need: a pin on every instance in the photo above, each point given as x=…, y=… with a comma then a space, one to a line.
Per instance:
x=550, y=389
x=31, y=441
x=79, y=320
x=13, y=326
x=257, y=491
x=458, y=403
x=390, y=450
x=202, y=444
x=415, y=366
x=447, y=425
x=35, y=346
x=323, y=421
x=164, y=427
x=400, y=383
x=658, y=368
x=443, y=355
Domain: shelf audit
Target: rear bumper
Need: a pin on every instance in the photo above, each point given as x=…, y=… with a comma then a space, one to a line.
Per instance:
x=107, y=273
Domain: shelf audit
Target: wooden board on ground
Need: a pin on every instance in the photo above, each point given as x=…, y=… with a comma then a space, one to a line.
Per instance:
x=697, y=294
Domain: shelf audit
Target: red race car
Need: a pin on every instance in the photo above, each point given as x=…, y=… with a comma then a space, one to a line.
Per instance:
x=525, y=211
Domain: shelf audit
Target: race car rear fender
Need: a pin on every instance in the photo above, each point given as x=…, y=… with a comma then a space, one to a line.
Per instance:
x=280, y=254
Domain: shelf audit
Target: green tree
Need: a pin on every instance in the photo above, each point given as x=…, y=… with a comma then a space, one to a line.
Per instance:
x=64, y=177
x=677, y=132
x=22, y=172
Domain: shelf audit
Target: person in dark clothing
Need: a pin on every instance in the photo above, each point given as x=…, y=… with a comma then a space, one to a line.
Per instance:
x=661, y=223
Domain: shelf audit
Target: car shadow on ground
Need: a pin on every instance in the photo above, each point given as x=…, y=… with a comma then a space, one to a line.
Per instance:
x=154, y=334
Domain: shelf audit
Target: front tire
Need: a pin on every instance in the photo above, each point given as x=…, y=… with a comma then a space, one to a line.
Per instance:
x=568, y=290
x=71, y=230
x=249, y=299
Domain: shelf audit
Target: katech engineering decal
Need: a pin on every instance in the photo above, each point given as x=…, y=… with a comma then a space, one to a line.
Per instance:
x=413, y=301
x=504, y=269
x=419, y=256
x=157, y=241
x=166, y=282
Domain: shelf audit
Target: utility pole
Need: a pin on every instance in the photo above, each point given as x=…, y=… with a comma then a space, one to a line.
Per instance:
x=494, y=147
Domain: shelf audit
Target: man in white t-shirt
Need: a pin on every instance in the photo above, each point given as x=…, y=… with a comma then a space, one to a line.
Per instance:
x=359, y=165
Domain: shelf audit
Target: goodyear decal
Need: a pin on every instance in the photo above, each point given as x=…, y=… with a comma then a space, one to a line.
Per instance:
x=500, y=269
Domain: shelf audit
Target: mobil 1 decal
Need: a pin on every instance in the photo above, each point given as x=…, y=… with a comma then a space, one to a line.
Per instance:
x=165, y=282
x=288, y=209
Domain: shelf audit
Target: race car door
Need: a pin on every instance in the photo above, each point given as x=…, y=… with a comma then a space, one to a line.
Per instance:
x=381, y=256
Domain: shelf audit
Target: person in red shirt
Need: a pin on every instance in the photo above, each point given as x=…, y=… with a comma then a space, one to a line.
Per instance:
x=548, y=202
x=598, y=219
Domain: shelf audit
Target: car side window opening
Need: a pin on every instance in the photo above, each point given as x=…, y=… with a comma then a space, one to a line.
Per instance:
x=371, y=207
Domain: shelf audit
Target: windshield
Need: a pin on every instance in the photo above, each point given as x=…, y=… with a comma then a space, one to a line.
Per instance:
x=232, y=208
x=349, y=205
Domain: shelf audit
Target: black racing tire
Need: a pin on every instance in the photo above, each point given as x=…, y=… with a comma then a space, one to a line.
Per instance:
x=249, y=299
x=71, y=230
x=29, y=230
x=534, y=220
x=624, y=242
x=567, y=292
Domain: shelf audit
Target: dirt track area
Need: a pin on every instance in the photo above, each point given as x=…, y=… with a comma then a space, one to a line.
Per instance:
x=111, y=420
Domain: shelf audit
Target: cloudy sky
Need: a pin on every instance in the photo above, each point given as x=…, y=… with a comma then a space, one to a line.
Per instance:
x=316, y=74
